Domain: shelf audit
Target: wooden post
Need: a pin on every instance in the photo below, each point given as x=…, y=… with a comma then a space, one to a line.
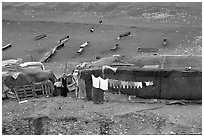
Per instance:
x=42, y=88
x=24, y=92
x=16, y=92
x=103, y=75
x=33, y=90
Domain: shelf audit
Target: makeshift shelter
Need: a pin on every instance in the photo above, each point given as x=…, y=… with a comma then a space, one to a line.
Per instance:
x=159, y=77
x=27, y=76
x=24, y=78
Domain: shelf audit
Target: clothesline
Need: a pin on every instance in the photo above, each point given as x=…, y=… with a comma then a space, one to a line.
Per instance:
x=105, y=84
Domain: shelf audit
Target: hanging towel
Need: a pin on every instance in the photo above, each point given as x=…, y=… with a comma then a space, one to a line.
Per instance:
x=110, y=83
x=103, y=83
x=124, y=84
x=117, y=83
x=140, y=84
x=131, y=84
x=135, y=85
x=95, y=81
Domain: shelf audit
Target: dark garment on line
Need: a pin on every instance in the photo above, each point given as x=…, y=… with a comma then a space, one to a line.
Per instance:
x=98, y=95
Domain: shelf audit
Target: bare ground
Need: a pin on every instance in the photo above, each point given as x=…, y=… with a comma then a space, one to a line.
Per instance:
x=58, y=115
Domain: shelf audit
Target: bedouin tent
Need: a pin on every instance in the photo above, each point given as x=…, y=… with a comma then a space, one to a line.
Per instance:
x=159, y=77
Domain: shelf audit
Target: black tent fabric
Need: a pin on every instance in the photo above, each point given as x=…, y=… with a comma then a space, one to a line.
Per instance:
x=173, y=77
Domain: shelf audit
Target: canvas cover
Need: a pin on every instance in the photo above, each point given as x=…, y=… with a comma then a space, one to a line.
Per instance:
x=26, y=76
x=172, y=77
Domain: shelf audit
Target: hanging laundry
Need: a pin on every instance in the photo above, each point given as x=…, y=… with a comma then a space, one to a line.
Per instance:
x=124, y=84
x=134, y=85
x=147, y=83
x=151, y=83
x=110, y=83
x=103, y=83
x=138, y=84
x=144, y=84
x=95, y=81
x=117, y=83
x=131, y=84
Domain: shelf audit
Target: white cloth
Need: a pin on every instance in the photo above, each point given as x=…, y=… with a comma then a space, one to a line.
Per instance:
x=58, y=84
x=110, y=83
x=149, y=83
x=15, y=75
x=113, y=69
x=124, y=84
x=138, y=84
x=95, y=81
x=103, y=83
x=131, y=84
x=28, y=64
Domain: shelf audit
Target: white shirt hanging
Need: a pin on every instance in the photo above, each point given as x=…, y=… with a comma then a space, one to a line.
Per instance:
x=103, y=83
x=139, y=84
